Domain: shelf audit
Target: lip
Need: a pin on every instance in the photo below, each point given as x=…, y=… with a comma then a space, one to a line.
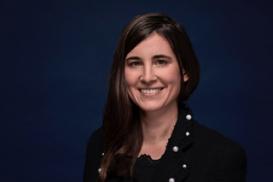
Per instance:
x=150, y=91
x=150, y=88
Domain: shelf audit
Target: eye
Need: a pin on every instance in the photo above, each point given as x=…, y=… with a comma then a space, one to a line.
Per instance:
x=135, y=63
x=161, y=62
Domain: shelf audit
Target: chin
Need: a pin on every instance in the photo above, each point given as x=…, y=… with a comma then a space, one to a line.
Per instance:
x=151, y=107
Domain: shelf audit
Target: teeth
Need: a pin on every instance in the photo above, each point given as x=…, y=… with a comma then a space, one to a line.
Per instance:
x=150, y=91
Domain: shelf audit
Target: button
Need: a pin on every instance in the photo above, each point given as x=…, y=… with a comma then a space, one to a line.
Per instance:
x=184, y=166
x=171, y=180
x=102, y=154
x=99, y=170
x=188, y=117
x=175, y=148
x=187, y=133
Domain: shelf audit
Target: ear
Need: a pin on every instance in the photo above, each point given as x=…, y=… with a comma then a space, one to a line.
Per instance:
x=185, y=76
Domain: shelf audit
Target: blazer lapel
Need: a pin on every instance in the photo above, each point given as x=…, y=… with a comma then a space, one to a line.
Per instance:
x=175, y=165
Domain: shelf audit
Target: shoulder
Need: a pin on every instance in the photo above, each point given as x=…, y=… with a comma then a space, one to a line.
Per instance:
x=95, y=144
x=96, y=137
x=223, y=157
x=212, y=139
x=93, y=155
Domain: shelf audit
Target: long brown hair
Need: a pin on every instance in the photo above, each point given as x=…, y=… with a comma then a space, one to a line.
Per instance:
x=121, y=123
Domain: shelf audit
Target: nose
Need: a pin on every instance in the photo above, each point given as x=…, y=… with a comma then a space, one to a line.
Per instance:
x=148, y=75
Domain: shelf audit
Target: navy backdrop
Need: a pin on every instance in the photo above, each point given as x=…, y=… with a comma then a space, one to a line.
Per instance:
x=56, y=55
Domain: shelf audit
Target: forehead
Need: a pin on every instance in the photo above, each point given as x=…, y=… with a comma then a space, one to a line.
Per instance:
x=154, y=44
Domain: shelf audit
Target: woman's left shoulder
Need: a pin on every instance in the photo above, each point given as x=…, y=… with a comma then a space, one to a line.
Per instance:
x=222, y=157
x=217, y=142
x=208, y=154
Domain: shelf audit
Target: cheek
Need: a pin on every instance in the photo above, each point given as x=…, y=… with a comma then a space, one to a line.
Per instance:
x=130, y=77
x=174, y=79
x=131, y=83
x=176, y=75
x=131, y=87
x=172, y=76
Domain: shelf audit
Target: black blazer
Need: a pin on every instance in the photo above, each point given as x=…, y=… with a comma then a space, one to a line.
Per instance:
x=194, y=153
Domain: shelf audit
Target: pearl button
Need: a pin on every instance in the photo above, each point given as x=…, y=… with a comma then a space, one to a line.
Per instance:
x=171, y=180
x=175, y=148
x=188, y=117
x=99, y=170
x=187, y=133
x=102, y=154
x=184, y=166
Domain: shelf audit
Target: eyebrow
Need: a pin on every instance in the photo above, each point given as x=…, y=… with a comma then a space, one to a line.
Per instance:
x=133, y=58
x=161, y=56
x=154, y=57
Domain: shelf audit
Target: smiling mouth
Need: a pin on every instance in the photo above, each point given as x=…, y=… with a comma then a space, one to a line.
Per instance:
x=150, y=91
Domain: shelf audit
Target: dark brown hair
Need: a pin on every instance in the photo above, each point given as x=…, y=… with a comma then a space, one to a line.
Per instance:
x=121, y=122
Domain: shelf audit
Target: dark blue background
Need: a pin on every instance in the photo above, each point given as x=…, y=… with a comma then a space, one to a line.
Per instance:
x=56, y=55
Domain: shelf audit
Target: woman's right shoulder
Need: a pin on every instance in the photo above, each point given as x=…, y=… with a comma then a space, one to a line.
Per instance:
x=96, y=138
x=93, y=155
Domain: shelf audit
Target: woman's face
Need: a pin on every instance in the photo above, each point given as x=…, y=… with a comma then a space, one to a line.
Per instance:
x=152, y=74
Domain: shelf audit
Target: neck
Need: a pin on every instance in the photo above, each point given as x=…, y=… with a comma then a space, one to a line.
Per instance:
x=157, y=126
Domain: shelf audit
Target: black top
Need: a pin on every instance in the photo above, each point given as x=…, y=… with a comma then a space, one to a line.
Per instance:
x=145, y=168
x=194, y=153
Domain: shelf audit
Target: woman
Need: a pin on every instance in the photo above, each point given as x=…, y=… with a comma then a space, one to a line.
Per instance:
x=148, y=133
